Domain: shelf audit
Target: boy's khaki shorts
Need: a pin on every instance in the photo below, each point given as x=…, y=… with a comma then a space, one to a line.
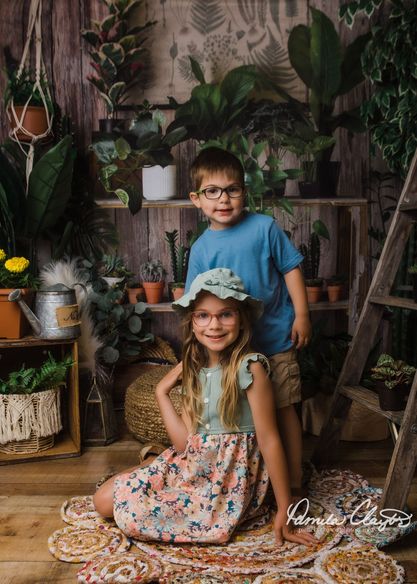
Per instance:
x=285, y=378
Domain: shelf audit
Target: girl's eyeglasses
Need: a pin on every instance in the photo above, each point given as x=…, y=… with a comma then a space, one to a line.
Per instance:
x=213, y=192
x=225, y=317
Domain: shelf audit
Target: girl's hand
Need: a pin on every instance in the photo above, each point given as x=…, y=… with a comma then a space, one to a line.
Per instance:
x=301, y=331
x=283, y=531
x=169, y=381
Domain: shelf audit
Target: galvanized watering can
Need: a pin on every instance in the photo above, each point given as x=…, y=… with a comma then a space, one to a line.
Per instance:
x=56, y=312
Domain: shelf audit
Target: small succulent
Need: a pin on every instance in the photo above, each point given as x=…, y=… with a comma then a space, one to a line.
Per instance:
x=412, y=269
x=152, y=271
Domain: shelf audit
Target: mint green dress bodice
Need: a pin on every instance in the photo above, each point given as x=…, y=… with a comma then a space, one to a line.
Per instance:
x=211, y=378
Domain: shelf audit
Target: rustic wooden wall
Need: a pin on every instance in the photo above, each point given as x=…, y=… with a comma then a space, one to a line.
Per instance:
x=67, y=64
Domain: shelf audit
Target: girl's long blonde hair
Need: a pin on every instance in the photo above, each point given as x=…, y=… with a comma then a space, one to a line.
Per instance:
x=194, y=357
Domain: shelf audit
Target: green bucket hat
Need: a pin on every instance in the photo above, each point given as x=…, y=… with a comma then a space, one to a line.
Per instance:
x=223, y=283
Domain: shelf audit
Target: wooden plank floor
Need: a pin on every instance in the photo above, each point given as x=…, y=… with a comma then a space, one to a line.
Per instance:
x=31, y=495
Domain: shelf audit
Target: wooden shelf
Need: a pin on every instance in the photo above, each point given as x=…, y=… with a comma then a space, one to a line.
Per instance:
x=32, y=342
x=187, y=204
x=65, y=447
x=341, y=305
x=370, y=400
x=394, y=301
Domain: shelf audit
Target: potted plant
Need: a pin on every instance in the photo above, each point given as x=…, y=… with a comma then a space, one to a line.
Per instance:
x=412, y=270
x=113, y=271
x=335, y=287
x=122, y=158
x=393, y=377
x=120, y=327
x=311, y=263
x=15, y=272
x=308, y=145
x=329, y=71
x=30, y=402
x=179, y=255
x=135, y=291
x=25, y=105
x=153, y=274
x=118, y=54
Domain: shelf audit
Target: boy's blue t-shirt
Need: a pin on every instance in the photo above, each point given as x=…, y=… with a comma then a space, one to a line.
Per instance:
x=260, y=253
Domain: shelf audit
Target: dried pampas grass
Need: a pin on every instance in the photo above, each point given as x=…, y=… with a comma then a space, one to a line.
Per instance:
x=66, y=272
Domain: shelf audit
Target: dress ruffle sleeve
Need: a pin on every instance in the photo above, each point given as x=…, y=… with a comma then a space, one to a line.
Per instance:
x=245, y=376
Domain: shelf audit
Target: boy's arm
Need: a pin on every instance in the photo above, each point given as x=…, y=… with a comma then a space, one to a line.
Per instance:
x=301, y=329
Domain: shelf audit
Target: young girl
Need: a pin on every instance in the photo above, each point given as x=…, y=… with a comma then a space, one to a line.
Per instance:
x=226, y=446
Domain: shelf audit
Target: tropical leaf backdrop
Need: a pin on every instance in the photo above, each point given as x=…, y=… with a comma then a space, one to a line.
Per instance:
x=220, y=35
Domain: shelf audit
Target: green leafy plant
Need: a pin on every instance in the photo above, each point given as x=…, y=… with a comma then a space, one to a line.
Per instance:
x=215, y=109
x=329, y=70
x=52, y=373
x=122, y=158
x=113, y=266
x=312, y=252
x=25, y=216
x=21, y=88
x=393, y=372
x=412, y=269
x=118, y=52
x=389, y=62
x=119, y=326
x=179, y=255
x=152, y=271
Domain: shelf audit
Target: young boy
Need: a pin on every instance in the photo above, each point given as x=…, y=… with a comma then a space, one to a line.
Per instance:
x=255, y=248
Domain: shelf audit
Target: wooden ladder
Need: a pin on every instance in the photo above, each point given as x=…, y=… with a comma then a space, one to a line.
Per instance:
x=404, y=458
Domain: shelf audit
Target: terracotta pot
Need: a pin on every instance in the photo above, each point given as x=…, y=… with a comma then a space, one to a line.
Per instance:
x=154, y=291
x=178, y=292
x=135, y=295
x=13, y=323
x=313, y=294
x=35, y=121
x=334, y=292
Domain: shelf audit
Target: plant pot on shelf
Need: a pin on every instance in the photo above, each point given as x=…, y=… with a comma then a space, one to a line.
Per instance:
x=323, y=179
x=314, y=289
x=391, y=399
x=154, y=292
x=177, y=292
x=13, y=323
x=159, y=183
x=34, y=121
x=334, y=292
x=135, y=295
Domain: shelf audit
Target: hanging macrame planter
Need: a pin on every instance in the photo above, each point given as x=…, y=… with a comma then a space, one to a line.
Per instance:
x=29, y=123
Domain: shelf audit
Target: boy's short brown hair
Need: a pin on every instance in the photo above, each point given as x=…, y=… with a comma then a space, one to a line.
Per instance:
x=212, y=160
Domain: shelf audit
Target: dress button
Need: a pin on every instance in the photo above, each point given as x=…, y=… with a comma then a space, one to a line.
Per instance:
x=207, y=426
x=208, y=374
x=206, y=400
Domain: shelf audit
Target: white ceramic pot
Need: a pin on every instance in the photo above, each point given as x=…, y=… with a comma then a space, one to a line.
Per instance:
x=159, y=183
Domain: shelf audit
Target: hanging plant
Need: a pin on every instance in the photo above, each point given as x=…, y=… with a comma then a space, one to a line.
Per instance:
x=118, y=53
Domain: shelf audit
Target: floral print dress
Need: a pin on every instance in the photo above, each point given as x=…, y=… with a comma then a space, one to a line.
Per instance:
x=204, y=493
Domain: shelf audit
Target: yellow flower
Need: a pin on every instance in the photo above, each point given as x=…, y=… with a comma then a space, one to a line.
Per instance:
x=2, y=255
x=17, y=265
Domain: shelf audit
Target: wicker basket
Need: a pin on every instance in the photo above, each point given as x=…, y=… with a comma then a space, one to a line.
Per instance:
x=141, y=409
x=28, y=423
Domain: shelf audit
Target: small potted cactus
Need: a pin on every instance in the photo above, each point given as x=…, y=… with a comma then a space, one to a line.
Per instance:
x=179, y=263
x=153, y=280
x=311, y=263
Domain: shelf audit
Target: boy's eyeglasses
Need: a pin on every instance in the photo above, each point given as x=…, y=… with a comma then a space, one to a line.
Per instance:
x=226, y=317
x=213, y=192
